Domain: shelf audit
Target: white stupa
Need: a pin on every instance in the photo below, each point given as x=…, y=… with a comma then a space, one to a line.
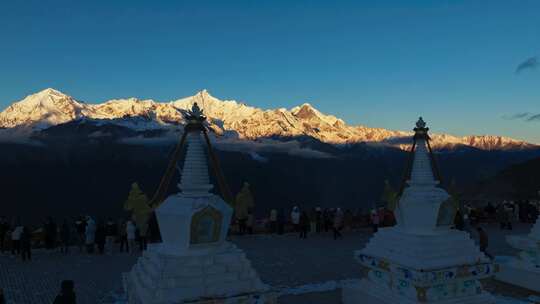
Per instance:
x=523, y=270
x=194, y=263
x=420, y=259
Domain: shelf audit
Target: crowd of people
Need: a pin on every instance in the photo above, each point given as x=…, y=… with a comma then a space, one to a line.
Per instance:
x=504, y=212
x=109, y=236
x=315, y=220
x=16, y=239
x=83, y=232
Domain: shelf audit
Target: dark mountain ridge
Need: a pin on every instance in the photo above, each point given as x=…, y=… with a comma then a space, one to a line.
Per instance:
x=67, y=172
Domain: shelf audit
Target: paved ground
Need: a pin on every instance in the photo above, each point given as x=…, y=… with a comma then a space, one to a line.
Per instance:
x=38, y=281
x=325, y=297
x=289, y=261
x=282, y=261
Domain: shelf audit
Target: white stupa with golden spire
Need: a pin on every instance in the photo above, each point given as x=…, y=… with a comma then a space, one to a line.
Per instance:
x=194, y=263
x=421, y=259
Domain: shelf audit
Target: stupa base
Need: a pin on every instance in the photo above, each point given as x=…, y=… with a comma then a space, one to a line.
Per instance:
x=368, y=292
x=512, y=271
x=221, y=276
x=388, y=282
x=524, y=269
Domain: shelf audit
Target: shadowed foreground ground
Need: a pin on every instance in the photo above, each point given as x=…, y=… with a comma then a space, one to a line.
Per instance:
x=303, y=271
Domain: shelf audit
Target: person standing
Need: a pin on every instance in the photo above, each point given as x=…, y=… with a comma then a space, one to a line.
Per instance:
x=67, y=295
x=490, y=211
x=100, y=237
x=130, y=233
x=509, y=211
x=516, y=211
x=47, y=233
x=4, y=227
x=90, y=234
x=26, y=244
x=318, y=219
x=338, y=223
x=242, y=204
x=459, y=223
x=295, y=218
x=153, y=234
x=16, y=240
x=143, y=241
x=110, y=233
x=466, y=215
x=80, y=227
x=533, y=211
x=375, y=220
x=348, y=220
x=241, y=225
x=50, y=233
x=328, y=219
x=501, y=216
x=273, y=220
x=304, y=225
x=382, y=217
x=312, y=220
x=474, y=216
x=281, y=222
x=65, y=234
x=484, y=241
x=123, y=237
x=250, y=222
x=522, y=208
x=8, y=242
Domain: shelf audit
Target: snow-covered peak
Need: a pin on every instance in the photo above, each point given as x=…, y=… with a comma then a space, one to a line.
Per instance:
x=307, y=112
x=116, y=108
x=40, y=110
x=49, y=91
x=490, y=142
x=216, y=108
x=45, y=97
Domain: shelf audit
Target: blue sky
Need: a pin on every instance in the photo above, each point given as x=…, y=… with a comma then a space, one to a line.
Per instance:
x=377, y=63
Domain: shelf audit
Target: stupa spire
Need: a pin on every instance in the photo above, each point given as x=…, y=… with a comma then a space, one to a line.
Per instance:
x=420, y=194
x=194, y=174
x=422, y=171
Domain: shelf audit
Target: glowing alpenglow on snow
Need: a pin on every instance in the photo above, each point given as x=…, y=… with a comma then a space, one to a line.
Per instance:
x=420, y=259
x=50, y=107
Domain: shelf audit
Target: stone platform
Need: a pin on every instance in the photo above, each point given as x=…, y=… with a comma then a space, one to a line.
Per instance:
x=220, y=274
x=523, y=270
x=511, y=272
x=444, y=267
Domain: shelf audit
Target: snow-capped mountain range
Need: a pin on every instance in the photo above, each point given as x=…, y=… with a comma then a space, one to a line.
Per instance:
x=50, y=107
